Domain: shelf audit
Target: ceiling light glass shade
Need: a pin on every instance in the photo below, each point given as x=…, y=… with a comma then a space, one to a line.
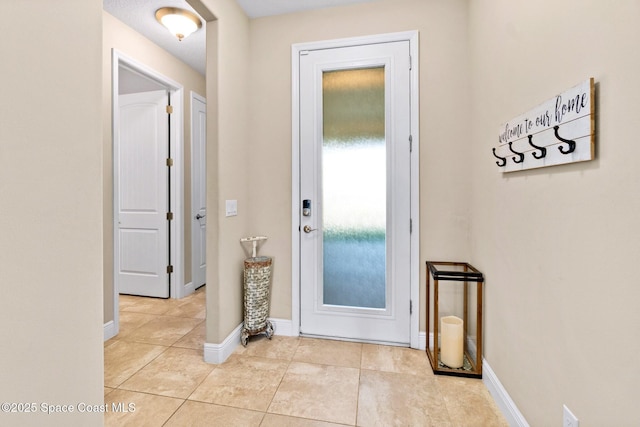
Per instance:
x=179, y=22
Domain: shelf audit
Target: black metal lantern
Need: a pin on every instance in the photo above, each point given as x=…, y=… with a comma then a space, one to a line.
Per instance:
x=454, y=314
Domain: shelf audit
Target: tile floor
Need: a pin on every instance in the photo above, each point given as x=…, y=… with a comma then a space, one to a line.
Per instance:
x=156, y=364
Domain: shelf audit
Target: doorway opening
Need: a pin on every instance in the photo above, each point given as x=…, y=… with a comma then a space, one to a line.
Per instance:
x=198, y=192
x=129, y=76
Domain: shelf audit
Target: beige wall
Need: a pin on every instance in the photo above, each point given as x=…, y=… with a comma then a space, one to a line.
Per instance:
x=228, y=172
x=559, y=245
x=249, y=140
x=249, y=157
x=444, y=88
x=117, y=35
x=51, y=213
x=555, y=244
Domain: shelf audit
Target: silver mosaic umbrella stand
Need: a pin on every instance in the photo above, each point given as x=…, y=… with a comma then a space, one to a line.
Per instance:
x=257, y=277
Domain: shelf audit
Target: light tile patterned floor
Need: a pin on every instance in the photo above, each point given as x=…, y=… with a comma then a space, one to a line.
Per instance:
x=156, y=364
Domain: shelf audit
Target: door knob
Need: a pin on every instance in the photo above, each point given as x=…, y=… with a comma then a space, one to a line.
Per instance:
x=200, y=216
x=308, y=229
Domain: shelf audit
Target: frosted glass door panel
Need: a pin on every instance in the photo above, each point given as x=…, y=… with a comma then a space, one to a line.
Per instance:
x=354, y=178
x=354, y=182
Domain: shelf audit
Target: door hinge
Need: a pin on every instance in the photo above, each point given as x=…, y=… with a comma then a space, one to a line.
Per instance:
x=410, y=62
x=169, y=269
x=411, y=143
x=169, y=109
x=169, y=216
x=410, y=225
x=169, y=162
x=410, y=306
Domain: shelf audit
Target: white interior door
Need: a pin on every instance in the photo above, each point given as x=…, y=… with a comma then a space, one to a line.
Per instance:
x=141, y=194
x=199, y=190
x=355, y=183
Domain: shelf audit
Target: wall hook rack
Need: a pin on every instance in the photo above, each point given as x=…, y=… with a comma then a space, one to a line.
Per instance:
x=537, y=131
x=520, y=158
x=543, y=150
x=502, y=160
x=572, y=144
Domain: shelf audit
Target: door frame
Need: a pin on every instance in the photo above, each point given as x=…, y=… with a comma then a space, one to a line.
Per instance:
x=296, y=49
x=190, y=287
x=176, y=227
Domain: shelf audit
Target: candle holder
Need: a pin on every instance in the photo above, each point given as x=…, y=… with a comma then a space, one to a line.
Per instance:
x=454, y=313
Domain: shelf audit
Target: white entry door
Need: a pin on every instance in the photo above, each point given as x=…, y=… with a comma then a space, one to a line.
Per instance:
x=199, y=190
x=355, y=179
x=141, y=194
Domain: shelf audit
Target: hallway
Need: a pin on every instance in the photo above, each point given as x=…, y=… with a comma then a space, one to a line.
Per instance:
x=154, y=368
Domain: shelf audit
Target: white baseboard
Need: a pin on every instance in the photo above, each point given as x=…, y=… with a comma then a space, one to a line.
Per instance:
x=189, y=288
x=282, y=327
x=109, y=330
x=218, y=353
x=422, y=340
x=501, y=397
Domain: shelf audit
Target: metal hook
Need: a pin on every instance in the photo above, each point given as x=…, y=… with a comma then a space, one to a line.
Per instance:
x=543, y=150
x=572, y=144
x=502, y=161
x=520, y=155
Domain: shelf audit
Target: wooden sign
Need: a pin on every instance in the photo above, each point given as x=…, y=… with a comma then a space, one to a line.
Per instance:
x=560, y=130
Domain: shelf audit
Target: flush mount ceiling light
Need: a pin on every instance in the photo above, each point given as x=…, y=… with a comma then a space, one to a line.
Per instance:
x=179, y=22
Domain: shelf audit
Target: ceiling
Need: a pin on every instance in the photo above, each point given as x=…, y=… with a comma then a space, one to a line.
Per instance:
x=140, y=15
x=259, y=8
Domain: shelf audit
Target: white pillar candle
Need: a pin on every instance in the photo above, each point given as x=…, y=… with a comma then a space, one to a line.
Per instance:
x=451, y=344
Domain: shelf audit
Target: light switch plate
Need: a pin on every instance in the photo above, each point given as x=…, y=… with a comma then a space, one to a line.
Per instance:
x=231, y=207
